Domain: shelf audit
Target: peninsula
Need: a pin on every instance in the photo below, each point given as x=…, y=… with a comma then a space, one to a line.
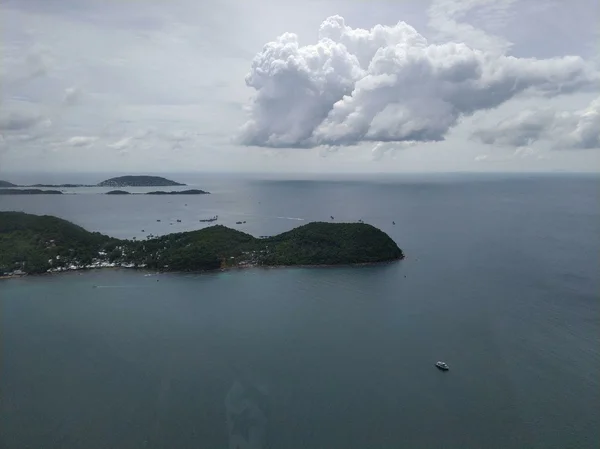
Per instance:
x=31, y=244
x=138, y=181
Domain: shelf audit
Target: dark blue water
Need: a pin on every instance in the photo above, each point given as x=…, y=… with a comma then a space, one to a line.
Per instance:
x=501, y=281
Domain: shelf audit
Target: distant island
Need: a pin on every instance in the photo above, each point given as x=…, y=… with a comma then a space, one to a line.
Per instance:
x=31, y=244
x=29, y=192
x=160, y=192
x=120, y=181
x=60, y=185
x=179, y=192
x=138, y=181
x=4, y=184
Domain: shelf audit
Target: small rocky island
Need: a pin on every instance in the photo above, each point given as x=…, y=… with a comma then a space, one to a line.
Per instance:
x=31, y=244
x=138, y=181
x=117, y=192
x=179, y=192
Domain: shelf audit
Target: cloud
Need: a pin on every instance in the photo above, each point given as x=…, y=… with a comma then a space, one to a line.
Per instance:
x=565, y=130
x=386, y=84
x=23, y=125
x=16, y=120
x=382, y=149
x=178, y=136
x=122, y=144
x=189, y=89
x=72, y=96
x=445, y=19
x=38, y=62
x=151, y=138
x=526, y=152
x=326, y=150
x=81, y=141
x=523, y=129
x=24, y=63
x=518, y=155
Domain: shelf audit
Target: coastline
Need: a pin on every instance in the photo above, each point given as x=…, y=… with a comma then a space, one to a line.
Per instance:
x=223, y=269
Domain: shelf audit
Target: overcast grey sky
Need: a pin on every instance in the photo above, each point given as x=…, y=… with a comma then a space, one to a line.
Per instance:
x=300, y=85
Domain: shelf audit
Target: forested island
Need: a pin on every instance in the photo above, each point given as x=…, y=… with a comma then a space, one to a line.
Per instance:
x=5, y=191
x=5, y=184
x=28, y=191
x=32, y=244
x=119, y=181
x=139, y=181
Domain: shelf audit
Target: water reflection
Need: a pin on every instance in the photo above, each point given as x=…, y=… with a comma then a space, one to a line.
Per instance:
x=248, y=409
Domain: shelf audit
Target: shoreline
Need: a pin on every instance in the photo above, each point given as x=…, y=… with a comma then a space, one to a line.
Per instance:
x=223, y=269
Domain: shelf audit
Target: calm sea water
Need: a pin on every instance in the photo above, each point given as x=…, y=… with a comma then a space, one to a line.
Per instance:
x=501, y=280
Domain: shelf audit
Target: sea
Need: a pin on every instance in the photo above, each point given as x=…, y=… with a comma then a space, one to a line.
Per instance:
x=501, y=280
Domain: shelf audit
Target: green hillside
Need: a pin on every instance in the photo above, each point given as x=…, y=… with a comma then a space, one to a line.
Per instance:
x=36, y=244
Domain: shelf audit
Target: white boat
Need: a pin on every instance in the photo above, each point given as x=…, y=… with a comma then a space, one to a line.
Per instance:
x=442, y=365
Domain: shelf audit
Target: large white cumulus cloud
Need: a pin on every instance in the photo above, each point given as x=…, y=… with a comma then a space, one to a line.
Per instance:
x=565, y=130
x=386, y=84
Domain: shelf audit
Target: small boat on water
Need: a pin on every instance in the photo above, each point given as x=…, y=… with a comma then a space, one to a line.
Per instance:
x=442, y=365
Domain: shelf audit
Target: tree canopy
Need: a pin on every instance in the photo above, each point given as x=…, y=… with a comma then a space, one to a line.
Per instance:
x=34, y=244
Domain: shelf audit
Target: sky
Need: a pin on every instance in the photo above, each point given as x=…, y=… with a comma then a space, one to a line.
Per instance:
x=299, y=86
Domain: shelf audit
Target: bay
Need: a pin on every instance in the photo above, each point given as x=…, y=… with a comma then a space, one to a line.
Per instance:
x=501, y=280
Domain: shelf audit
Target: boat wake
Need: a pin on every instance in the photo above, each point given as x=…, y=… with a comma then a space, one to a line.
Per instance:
x=290, y=218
